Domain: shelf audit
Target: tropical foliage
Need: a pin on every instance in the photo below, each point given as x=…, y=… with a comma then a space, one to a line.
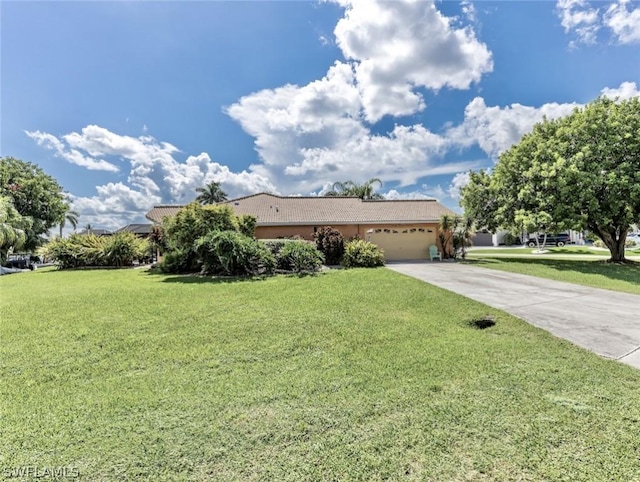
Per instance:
x=363, y=191
x=300, y=257
x=71, y=217
x=359, y=253
x=233, y=253
x=212, y=239
x=88, y=250
x=13, y=228
x=455, y=234
x=578, y=172
x=212, y=193
x=34, y=195
x=329, y=242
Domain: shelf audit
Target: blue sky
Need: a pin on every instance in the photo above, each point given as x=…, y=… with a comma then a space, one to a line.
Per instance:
x=130, y=104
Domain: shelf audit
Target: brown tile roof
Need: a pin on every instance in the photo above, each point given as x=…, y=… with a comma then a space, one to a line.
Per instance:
x=272, y=210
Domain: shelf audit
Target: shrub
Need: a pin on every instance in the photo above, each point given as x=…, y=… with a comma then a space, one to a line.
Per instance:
x=233, y=253
x=299, y=257
x=189, y=224
x=179, y=260
x=122, y=249
x=274, y=245
x=329, y=242
x=247, y=225
x=510, y=239
x=362, y=254
x=77, y=251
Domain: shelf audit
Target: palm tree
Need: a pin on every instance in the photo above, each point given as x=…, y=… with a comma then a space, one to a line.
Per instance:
x=88, y=228
x=72, y=217
x=363, y=191
x=212, y=193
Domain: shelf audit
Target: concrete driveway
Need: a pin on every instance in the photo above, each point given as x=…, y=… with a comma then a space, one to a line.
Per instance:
x=605, y=322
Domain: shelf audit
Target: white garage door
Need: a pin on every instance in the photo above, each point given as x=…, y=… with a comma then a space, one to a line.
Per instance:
x=403, y=243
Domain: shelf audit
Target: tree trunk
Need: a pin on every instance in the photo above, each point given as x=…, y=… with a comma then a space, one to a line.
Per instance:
x=614, y=239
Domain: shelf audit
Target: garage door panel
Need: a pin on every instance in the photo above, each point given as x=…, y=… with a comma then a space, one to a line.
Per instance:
x=403, y=246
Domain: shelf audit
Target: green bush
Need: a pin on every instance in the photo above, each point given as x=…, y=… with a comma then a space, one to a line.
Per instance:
x=189, y=224
x=233, y=253
x=247, y=225
x=122, y=249
x=510, y=239
x=362, y=254
x=179, y=260
x=329, y=242
x=275, y=245
x=77, y=251
x=300, y=257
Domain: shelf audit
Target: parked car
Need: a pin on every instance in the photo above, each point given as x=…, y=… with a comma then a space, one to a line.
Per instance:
x=22, y=261
x=552, y=239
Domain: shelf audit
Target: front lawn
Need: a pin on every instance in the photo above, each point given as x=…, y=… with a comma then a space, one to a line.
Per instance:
x=570, y=250
x=351, y=375
x=549, y=251
x=594, y=273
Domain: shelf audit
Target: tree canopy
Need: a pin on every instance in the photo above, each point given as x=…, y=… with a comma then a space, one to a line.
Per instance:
x=34, y=195
x=577, y=172
x=350, y=188
x=13, y=227
x=212, y=193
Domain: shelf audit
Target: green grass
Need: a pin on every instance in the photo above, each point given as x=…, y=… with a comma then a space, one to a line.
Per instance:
x=563, y=251
x=567, y=250
x=594, y=273
x=352, y=375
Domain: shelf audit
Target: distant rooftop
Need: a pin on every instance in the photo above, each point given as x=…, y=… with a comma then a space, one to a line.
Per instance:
x=97, y=232
x=136, y=229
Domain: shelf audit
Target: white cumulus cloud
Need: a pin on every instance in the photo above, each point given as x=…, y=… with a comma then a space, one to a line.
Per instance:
x=155, y=175
x=620, y=18
x=624, y=21
x=399, y=46
x=72, y=155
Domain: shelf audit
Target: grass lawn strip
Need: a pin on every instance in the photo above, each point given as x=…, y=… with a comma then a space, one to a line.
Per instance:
x=351, y=375
x=568, y=251
x=594, y=273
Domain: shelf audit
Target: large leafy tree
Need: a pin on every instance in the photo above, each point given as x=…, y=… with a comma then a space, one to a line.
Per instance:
x=363, y=191
x=578, y=172
x=35, y=195
x=212, y=193
x=13, y=227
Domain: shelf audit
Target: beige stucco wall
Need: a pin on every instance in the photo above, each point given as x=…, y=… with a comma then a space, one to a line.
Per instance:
x=399, y=241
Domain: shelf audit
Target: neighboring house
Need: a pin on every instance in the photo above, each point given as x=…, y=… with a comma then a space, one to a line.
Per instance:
x=96, y=232
x=403, y=228
x=140, y=230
